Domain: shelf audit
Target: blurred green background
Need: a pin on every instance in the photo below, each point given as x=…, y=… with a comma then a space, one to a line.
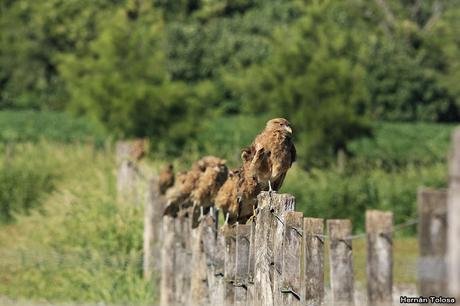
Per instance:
x=370, y=87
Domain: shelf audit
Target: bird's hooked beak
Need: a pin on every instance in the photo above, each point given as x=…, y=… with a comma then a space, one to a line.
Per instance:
x=288, y=129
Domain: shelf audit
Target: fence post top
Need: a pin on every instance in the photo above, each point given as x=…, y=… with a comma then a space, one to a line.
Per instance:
x=454, y=160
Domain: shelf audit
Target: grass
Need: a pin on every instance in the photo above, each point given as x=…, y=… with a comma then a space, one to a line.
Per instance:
x=82, y=245
x=405, y=253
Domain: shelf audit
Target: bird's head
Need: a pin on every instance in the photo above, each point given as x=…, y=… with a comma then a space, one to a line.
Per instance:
x=246, y=154
x=281, y=125
x=169, y=167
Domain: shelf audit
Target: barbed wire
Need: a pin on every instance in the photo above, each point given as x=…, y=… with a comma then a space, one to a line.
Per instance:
x=395, y=228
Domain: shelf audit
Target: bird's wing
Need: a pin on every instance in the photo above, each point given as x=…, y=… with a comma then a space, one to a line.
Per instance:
x=276, y=184
x=171, y=209
x=293, y=153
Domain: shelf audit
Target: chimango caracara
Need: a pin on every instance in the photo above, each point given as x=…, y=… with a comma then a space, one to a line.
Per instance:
x=238, y=196
x=181, y=197
x=249, y=187
x=173, y=194
x=166, y=178
x=227, y=196
x=275, y=142
x=209, y=183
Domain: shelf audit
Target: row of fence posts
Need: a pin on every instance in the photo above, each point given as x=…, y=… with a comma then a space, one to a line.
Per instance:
x=279, y=258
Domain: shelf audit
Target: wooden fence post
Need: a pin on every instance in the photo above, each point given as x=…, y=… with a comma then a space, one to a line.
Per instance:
x=127, y=155
x=432, y=236
x=453, y=215
x=243, y=238
x=167, y=285
x=153, y=215
x=314, y=261
x=286, y=204
x=230, y=264
x=341, y=262
x=291, y=285
x=199, y=283
x=379, y=266
x=179, y=272
x=183, y=258
x=252, y=257
x=209, y=240
x=219, y=268
x=271, y=206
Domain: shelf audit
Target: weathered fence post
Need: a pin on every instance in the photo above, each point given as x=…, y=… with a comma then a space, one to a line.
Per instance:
x=153, y=215
x=211, y=249
x=379, y=266
x=230, y=264
x=167, y=285
x=286, y=204
x=291, y=285
x=453, y=213
x=219, y=268
x=183, y=258
x=243, y=238
x=272, y=207
x=252, y=257
x=179, y=272
x=341, y=262
x=314, y=261
x=128, y=153
x=432, y=236
x=199, y=283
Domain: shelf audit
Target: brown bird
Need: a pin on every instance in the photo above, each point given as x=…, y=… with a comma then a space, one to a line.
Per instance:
x=139, y=148
x=275, y=145
x=238, y=196
x=180, y=198
x=173, y=193
x=166, y=178
x=209, y=183
x=227, y=196
x=248, y=186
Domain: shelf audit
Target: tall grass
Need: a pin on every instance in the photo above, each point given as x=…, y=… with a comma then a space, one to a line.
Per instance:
x=26, y=176
x=82, y=245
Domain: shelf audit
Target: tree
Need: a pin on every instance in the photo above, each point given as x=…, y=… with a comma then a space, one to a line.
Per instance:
x=123, y=81
x=34, y=34
x=315, y=78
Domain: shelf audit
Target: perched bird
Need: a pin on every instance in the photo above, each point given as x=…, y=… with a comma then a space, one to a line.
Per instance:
x=227, y=196
x=166, y=178
x=274, y=154
x=139, y=148
x=248, y=186
x=173, y=193
x=209, y=183
x=238, y=196
x=181, y=197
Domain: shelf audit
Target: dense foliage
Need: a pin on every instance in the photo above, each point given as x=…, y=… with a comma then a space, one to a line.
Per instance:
x=161, y=69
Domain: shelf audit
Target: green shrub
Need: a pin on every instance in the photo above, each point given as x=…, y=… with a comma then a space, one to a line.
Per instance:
x=330, y=193
x=402, y=143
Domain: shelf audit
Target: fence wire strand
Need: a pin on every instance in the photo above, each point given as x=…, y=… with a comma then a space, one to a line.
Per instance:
x=395, y=228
